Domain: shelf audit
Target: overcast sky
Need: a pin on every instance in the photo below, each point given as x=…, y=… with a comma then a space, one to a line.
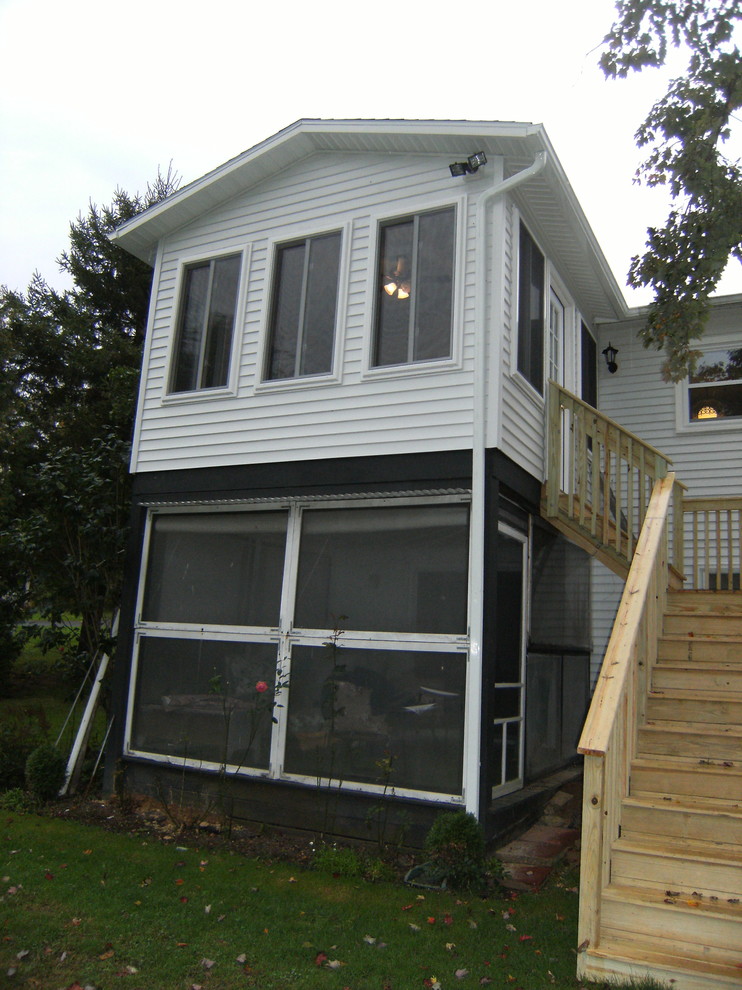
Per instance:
x=95, y=95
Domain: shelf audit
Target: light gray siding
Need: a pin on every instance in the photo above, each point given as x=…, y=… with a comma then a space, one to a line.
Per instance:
x=707, y=457
x=355, y=411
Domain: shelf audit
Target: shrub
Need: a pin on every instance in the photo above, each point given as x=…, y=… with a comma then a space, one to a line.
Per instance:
x=20, y=734
x=16, y=799
x=45, y=772
x=455, y=847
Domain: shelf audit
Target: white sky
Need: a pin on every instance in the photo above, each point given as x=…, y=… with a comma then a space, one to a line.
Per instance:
x=95, y=95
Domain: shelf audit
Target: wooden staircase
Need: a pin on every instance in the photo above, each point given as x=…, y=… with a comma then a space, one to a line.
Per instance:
x=672, y=908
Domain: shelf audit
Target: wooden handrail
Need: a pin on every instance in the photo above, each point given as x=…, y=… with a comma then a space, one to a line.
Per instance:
x=649, y=557
x=608, y=740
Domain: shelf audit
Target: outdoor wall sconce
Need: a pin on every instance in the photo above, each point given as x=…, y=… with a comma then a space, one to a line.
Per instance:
x=610, y=358
x=472, y=163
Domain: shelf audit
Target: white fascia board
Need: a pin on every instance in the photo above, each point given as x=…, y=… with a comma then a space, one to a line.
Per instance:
x=288, y=146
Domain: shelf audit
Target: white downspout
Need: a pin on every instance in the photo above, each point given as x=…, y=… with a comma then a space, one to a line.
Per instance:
x=478, y=485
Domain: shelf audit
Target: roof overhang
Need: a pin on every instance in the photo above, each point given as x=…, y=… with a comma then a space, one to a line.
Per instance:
x=547, y=202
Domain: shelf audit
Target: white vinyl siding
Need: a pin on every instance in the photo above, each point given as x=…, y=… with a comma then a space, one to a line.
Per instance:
x=707, y=459
x=356, y=413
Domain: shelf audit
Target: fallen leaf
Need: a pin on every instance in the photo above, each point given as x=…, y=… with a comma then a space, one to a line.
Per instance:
x=448, y=919
x=407, y=907
x=320, y=958
x=207, y=909
x=23, y=954
x=334, y=964
x=369, y=939
x=511, y=928
x=461, y=973
x=431, y=921
x=415, y=928
x=525, y=938
x=208, y=963
x=106, y=955
x=48, y=875
x=242, y=958
x=450, y=946
x=485, y=981
x=472, y=923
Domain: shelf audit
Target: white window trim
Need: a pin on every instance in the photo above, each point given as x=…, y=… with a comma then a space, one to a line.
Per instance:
x=230, y=389
x=285, y=638
x=370, y=372
x=288, y=236
x=683, y=422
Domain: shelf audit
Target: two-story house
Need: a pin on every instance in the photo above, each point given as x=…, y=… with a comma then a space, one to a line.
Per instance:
x=340, y=445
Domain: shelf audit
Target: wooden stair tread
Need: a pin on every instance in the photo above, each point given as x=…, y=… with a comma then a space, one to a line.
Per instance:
x=652, y=897
x=683, y=849
x=699, y=694
x=682, y=763
x=697, y=728
x=681, y=803
x=723, y=970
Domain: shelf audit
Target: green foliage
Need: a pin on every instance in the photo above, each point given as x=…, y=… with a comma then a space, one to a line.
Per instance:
x=685, y=131
x=20, y=734
x=69, y=365
x=45, y=772
x=16, y=799
x=455, y=847
x=338, y=860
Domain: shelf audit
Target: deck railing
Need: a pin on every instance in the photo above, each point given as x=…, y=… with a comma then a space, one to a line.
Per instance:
x=713, y=537
x=608, y=740
x=599, y=475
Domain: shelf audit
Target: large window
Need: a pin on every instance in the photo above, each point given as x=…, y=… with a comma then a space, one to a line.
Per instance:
x=715, y=388
x=356, y=614
x=206, y=324
x=304, y=307
x=531, y=281
x=414, y=310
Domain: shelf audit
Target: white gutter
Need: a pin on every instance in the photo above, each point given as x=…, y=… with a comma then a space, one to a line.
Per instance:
x=478, y=487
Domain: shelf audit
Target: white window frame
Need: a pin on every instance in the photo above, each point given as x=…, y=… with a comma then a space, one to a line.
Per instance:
x=285, y=637
x=683, y=422
x=185, y=263
x=410, y=369
x=288, y=236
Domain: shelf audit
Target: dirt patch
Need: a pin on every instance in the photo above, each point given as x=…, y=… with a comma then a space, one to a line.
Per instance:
x=145, y=817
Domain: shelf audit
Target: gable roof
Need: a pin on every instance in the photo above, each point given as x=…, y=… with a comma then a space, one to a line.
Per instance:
x=547, y=201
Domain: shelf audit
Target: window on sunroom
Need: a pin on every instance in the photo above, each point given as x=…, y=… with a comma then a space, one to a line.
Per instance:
x=206, y=324
x=414, y=306
x=304, y=308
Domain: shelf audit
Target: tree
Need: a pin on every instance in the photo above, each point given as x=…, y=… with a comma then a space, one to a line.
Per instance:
x=69, y=364
x=685, y=131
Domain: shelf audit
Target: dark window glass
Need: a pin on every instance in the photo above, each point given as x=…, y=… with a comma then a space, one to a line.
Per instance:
x=531, y=311
x=589, y=367
x=302, y=324
x=206, y=324
x=218, y=568
x=350, y=709
x=414, y=311
x=715, y=390
x=384, y=570
x=199, y=699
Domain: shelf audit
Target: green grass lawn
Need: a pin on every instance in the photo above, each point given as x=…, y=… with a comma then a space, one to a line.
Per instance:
x=79, y=905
